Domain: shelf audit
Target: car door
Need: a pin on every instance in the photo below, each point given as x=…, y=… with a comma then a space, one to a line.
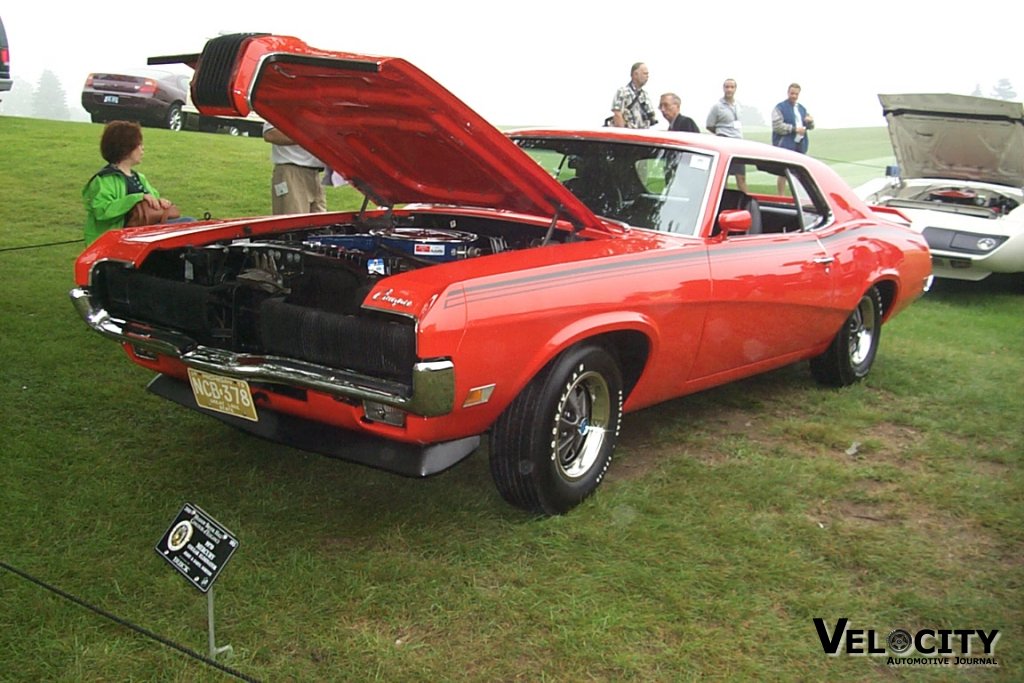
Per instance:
x=771, y=289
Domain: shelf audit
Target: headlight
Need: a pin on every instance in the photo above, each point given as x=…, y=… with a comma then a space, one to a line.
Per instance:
x=987, y=243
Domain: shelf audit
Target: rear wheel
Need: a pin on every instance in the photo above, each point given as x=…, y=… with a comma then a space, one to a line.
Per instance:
x=173, y=119
x=97, y=118
x=552, y=446
x=851, y=354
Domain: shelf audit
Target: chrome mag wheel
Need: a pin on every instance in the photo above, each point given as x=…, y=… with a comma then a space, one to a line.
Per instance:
x=861, y=328
x=584, y=415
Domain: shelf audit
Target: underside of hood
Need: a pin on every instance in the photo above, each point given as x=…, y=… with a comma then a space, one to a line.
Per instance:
x=392, y=131
x=957, y=136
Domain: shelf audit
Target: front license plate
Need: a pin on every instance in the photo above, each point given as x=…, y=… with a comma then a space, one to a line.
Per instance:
x=111, y=99
x=223, y=394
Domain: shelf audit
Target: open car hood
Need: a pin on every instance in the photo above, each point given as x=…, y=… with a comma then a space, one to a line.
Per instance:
x=957, y=136
x=392, y=131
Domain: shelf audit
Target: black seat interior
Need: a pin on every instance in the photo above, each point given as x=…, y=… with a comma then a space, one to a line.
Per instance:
x=734, y=199
x=594, y=185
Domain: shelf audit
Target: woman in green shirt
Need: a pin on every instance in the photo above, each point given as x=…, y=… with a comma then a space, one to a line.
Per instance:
x=110, y=194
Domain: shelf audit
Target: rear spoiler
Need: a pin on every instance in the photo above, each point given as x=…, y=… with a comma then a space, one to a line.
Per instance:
x=215, y=68
x=190, y=60
x=890, y=214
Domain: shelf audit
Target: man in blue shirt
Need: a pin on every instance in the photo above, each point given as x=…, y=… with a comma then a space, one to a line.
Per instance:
x=790, y=123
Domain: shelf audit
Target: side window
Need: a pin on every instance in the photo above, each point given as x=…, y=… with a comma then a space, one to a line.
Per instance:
x=780, y=198
x=814, y=211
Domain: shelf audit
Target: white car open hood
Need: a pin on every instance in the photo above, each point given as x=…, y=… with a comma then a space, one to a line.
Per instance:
x=957, y=136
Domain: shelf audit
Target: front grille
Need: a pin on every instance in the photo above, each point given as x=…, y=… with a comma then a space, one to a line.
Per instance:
x=243, y=319
x=181, y=306
x=371, y=346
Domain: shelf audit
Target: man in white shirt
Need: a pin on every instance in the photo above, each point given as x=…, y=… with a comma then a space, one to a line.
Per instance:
x=295, y=185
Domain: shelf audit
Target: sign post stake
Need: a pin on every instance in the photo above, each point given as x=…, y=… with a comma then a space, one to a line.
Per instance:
x=198, y=547
x=214, y=650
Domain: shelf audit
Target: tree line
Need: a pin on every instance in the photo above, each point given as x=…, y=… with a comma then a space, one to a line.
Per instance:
x=45, y=99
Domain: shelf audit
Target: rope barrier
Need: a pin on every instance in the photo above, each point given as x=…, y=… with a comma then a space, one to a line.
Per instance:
x=39, y=246
x=127, y=624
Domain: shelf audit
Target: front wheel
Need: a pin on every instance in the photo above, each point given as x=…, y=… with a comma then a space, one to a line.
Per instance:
x=851, y=354
x=552, y=446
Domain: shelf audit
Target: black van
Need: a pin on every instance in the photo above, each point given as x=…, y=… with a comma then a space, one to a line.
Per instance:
x=5, y=60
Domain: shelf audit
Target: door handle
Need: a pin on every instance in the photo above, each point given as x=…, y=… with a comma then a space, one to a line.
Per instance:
x=823, y=259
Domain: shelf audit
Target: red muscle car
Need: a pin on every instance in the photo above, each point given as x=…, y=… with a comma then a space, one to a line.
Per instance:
x=531, y=287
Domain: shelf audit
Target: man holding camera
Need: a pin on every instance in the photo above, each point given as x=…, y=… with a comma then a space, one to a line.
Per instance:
x=631, y=107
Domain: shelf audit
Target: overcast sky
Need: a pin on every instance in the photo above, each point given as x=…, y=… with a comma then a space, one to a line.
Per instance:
x=560, y=62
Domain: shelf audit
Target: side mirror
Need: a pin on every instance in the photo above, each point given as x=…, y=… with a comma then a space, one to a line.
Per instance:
x=735, y=221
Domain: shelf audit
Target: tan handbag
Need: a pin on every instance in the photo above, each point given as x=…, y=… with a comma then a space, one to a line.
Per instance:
x=143, y=214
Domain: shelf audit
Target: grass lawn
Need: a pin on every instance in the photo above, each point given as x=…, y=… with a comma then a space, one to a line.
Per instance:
x=728, y=522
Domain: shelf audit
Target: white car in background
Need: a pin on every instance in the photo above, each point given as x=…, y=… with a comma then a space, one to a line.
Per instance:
x=959, y=180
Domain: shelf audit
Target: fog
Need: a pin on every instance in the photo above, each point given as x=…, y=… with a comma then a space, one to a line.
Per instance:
x=560, y=63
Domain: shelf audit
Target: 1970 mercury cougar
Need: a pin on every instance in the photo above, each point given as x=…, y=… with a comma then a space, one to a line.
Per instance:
x=531, y=287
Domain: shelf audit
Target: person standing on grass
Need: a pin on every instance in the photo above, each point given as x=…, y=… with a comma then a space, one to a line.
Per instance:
x=631, y=107
x=790, y=123
x=115, y=189
x=669, y=107
x=295, y=185
x=724, y=121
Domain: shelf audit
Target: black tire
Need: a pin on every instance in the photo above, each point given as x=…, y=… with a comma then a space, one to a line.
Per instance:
x=851, y=354
x=552, y=446
x=173, y=120
x=97, y=118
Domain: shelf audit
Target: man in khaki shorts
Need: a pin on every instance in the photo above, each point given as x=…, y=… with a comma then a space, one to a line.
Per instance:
x=295, y=185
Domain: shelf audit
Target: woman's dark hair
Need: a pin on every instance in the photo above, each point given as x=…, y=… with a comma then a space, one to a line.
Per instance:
x=119, y=139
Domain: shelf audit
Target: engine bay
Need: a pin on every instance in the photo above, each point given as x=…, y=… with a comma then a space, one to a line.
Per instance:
x=300, y=293
x=332, y=267
x=984, y=202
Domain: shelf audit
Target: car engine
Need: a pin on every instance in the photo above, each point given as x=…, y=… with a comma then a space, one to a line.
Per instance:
x=299, y=294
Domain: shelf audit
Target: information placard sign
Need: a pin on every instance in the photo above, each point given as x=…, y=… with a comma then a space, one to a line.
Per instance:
x=197, y=546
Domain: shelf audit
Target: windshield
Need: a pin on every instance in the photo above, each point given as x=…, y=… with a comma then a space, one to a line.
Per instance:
x=647, y=187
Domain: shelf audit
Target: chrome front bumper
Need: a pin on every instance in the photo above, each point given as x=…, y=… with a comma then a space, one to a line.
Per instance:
x=432, y=392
